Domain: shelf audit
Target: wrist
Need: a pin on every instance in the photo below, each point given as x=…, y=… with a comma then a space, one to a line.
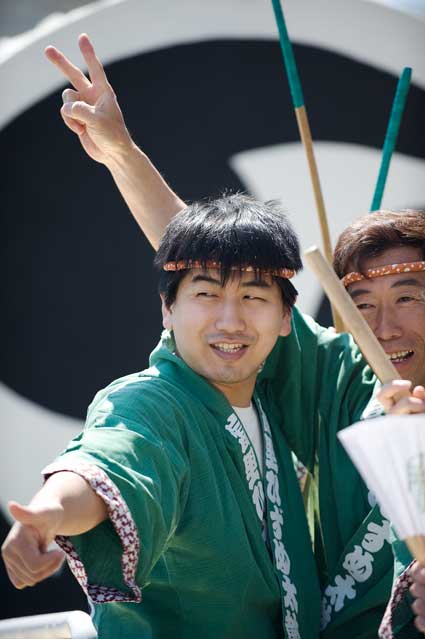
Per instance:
x=123, y=156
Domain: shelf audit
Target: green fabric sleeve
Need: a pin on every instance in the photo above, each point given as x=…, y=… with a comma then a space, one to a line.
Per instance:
x=317, y=380
x=291, y=382
x=145, y=460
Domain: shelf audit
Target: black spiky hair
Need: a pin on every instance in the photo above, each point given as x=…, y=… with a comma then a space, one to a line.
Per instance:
x=234, y=230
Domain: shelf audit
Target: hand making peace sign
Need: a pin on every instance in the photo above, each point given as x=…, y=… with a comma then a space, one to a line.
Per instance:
x=91, y=109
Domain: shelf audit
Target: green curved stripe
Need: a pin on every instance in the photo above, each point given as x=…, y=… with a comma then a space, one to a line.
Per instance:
x=288, y=57
x=391, y=135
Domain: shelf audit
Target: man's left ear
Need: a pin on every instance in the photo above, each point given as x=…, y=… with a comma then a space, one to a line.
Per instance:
x=286, y=323
x=167, y=316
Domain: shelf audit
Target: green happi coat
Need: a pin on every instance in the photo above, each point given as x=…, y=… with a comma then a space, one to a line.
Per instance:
x=169, y=456
x=320, y=384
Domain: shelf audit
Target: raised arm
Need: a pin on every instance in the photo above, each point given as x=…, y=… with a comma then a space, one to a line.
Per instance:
x=66, y=505
x=92, y=112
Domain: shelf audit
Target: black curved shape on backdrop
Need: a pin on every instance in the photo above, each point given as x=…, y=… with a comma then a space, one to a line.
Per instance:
x=79, y=299
x=79, y=290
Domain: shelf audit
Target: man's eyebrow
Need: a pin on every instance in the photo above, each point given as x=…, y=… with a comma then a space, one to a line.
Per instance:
x=213, y=280
x=258, y=283
x=358, y=292
x=205, y=278
x=408, y=281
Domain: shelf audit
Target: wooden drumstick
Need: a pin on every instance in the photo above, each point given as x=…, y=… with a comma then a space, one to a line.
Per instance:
x=306, y=138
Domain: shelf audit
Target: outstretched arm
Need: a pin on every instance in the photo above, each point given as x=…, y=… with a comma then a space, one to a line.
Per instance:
x=92, y=112
x=66, y=505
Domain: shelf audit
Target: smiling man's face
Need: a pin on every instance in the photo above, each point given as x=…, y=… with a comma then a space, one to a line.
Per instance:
x=394, y=308
x=224, y=333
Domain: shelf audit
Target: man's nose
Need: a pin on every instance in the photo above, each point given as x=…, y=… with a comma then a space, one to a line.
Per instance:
x=386, y=325
x=230, y=318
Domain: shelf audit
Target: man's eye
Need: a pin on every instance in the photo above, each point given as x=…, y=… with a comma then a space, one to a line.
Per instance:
x=205, y=294
x=406, y=298
x=364, y=306
x=254, y=297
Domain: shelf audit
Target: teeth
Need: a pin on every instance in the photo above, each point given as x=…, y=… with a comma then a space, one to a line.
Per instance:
x=228, y=348
x=399, y=355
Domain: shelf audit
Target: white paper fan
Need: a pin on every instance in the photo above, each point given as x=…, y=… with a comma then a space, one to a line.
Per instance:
x=57, y=625
x=389, y=453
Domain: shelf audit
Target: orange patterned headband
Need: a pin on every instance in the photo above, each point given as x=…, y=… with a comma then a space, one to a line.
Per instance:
x=390, y=269
x=182, y=265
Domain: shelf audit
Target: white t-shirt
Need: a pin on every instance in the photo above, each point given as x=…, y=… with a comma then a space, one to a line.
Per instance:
x=251, y=422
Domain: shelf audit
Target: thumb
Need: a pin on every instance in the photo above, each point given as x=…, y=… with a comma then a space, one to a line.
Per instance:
x=40, y=516
x=43, y=519
x=24, y=514
x=392, y=392
x=79, y=110
x=419, y=392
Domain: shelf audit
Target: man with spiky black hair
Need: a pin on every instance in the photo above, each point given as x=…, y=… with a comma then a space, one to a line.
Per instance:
x=234, y=230
x=178, y=505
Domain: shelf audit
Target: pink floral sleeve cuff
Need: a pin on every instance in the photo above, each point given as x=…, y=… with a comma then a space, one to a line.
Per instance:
x=124, y=526
x=400, y=588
